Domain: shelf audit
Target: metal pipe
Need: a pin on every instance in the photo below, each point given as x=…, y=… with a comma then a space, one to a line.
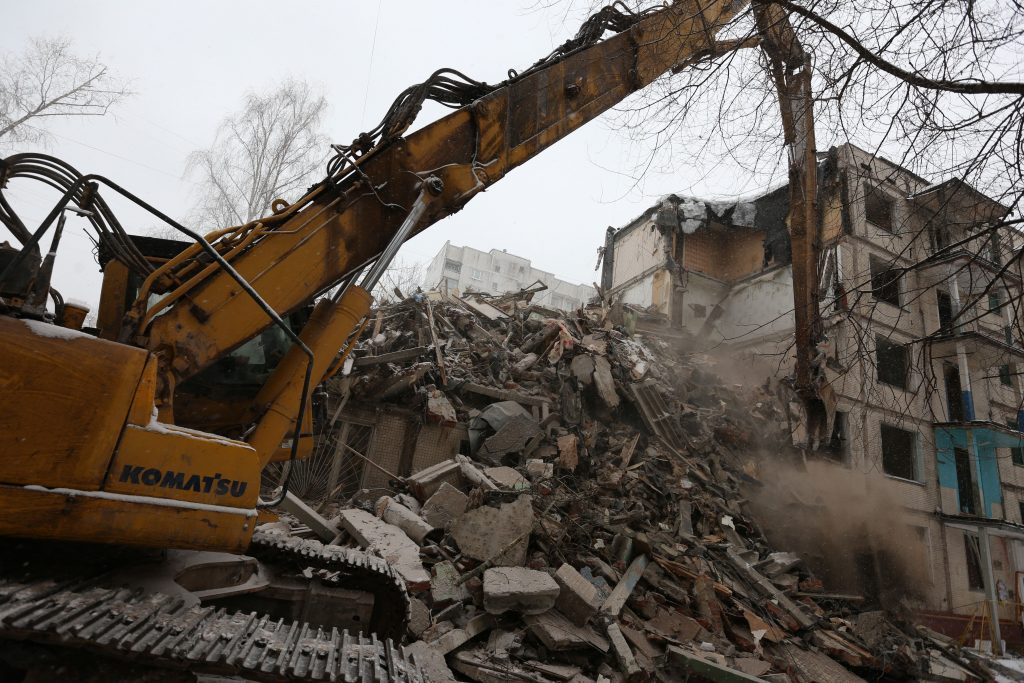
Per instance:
x=386, y=256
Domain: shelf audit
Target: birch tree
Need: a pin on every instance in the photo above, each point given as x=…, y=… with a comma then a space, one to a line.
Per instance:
x=269, y=149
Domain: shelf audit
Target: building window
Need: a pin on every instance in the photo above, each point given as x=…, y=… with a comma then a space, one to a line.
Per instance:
x=964, y=481
x=452, y=283
x=878, y=208
x=452, y=266
x=994, y=302
x=1020, y=505
x=477, y=275
x=940, y=237
x=899, y=452
x=885, y=282
x=1005, y=377
x=1016, y=454
x=995, y=249
x=497, y=267
x=972, y=554
x=945, y=304
x=891, y=360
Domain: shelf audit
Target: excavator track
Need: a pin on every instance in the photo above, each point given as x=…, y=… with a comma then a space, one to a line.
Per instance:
x=165, y=632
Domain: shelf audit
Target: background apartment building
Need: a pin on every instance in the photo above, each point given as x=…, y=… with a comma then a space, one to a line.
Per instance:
x=921, y=366
x=464, y=269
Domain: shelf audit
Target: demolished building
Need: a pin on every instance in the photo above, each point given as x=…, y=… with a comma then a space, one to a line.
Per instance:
x=920, y=367
x=568, y=502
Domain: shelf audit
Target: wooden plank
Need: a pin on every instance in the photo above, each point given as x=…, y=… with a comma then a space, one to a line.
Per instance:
x=502, y=395
x=393, y=357
x=437, y=348
x=705, y=668
x=624, y=588
x=768, y=588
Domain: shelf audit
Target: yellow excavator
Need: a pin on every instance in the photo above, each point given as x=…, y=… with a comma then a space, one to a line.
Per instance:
x=133, y=451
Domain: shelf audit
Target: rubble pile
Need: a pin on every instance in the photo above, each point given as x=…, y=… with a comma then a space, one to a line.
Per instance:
x=595, y=529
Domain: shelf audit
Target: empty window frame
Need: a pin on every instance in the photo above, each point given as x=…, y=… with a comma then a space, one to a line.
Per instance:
x=878, y=207
x=995, y=249
x=885, y=282
x=452, y=266
x=972, y=554
x=995, y=301
x=835, y=448
x=1005, y=376
x=899, y=452
x=1016, y=454
x=891, y=361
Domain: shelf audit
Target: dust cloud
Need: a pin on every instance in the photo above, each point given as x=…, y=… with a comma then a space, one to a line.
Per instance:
x=854, y=538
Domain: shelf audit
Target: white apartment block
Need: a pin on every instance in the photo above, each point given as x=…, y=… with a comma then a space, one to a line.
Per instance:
x=462, y=270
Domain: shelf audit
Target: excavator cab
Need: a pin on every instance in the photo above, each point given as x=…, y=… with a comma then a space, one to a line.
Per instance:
x=219, y=399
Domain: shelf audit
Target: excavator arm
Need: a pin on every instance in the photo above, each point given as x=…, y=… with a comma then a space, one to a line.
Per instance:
x=345, y=221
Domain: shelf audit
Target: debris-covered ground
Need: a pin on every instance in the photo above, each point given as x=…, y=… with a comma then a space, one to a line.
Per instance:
x=594, y=529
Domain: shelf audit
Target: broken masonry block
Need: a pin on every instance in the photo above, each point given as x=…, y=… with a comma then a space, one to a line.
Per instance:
x=578, y=599
x=497, y=535
x=389, y=542
x=446, y=504
x=518, y=589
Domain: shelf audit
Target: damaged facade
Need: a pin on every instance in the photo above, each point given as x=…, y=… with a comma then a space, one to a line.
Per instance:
x=462, y=270
x=921, y=363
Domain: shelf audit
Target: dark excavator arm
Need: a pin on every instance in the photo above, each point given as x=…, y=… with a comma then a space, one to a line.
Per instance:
x=344, y=222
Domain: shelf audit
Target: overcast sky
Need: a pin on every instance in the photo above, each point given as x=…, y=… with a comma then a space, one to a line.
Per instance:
x=190, y=64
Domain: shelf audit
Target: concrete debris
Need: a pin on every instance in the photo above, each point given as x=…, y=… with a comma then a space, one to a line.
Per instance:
x=578, y=599
x=518, y=589
x=497, y=535
x=446, y=504
x=389, y=542
x=635, y=552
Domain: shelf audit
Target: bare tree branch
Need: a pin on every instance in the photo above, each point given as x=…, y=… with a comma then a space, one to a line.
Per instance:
x=49, y=80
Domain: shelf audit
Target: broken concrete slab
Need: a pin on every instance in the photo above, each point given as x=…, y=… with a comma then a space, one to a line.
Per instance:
x=578, y=599
x=623, y=654
x=624, y=588
x=558, y=633
x=389, y=542
x=604, y=382
x=419, y=617
x=446, y=504
x=538, y=470
x=518, y=589
x=431, y=661
x=507, y=478
x=457, y=637
x=499, y=535
x=445, y=586
x=582, y=368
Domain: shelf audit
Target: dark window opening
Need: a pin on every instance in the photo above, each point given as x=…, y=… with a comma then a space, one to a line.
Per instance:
x=1005, y=376
x=995, y=302
x=973, y=556
x=885, y=282
x=835, y=449
x=940, y=237
x=964, y=482
x=954, y=393
x=1016, y=454
x=453, y=266
x=1008, y=331
x=899, y=458
x=995, y=249
x=891, y=360
x=1021, y=506
x=945, y=304
x=878, y=208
